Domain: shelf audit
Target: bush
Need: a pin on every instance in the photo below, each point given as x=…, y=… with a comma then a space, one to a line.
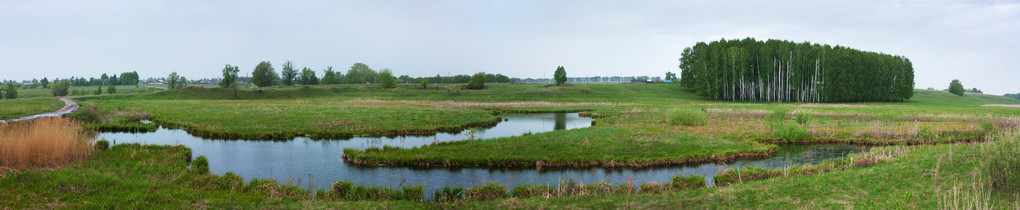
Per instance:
x=956, y=88
x=687, y=117
x=803, y=118
x=200, y=165
x=477, y=81
x=111, y=89
x=1003, y=164
x=89, y=113
x=488, y=191
x=102, y=145
x=424, y=84
x=792, y=132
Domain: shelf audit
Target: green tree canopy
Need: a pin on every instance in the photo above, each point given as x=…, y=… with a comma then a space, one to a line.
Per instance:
x=45, y=82
x=560, y=75
x=955, y=87
x=263, y=75
x=778, y=70
x=477, y=81
x=60, y=88
x=229, y=80
x=308, y=77
x=12, y=91
x=329, y=77
x=386, y=79
x=360, y=74
x=288, y=74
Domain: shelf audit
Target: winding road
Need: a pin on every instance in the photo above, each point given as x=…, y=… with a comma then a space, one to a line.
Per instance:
x=69, y=106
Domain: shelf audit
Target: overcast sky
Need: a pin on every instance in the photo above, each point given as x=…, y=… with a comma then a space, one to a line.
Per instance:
x=974, y=41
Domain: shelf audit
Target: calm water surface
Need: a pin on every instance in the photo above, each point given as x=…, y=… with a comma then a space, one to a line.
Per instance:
x=300, y=157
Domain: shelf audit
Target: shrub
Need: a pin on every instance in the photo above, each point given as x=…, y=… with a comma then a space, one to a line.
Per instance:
x=988, y=126
x=687, y=117
x=956, y=88
x=792, y=132
x=803, y=118
x=424, y=84
x=488, y=191
x=477, y=81
x=681, y=182
x=200, y=165
x=89, y=113
x=102, y=145
x=111, y=89
x=414, y=193
x=1003, y=164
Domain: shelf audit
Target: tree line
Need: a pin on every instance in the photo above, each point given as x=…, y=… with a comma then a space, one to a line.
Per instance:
x=265, y=74
x=780, y=71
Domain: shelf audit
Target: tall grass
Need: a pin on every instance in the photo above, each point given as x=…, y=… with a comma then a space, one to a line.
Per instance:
x=44, y=143
x=687, y=117
x=1003, y=162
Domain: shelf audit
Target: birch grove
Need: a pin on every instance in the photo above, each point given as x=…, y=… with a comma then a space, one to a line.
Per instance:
x=785, y=71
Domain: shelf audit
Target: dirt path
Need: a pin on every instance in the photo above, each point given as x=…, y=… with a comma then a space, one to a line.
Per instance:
x=1003, y=105
x=69, y=106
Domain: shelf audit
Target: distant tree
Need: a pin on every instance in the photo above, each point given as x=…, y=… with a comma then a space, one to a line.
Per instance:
x=360, y=74
x=129, y=78
x=99, y=90
x=308, y=77
x=59, y=88
x=424, y=84
x=12, y=91
x=111, y=89
x=477, y=81
x=103, y=80
x=45, y=82
x=560, y=75
x=173, y=81
x=288, y=73
x=114, y=80
x=974, y=90
x=955, y=87
x=263, y=75
x=1014, y=96
x=386, y=79
x=229, y=80
x=671, y=76
x=183, y=83
x=329, y=77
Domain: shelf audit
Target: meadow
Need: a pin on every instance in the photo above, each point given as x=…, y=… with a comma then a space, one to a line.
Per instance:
x=940, y=145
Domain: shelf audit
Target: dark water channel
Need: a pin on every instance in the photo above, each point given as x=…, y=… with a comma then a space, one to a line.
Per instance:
x=300, y=157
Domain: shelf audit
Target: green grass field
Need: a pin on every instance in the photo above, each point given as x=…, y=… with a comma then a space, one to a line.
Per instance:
x=632, y=128
x=14, y=108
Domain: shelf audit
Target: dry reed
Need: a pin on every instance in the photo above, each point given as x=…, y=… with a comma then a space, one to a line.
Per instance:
x=44, y=143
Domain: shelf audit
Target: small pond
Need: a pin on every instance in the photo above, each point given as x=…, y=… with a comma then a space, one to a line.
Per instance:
x=300, y=157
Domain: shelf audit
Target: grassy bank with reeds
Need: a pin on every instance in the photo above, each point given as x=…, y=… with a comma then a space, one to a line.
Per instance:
x=44, y=143
x=14, y=108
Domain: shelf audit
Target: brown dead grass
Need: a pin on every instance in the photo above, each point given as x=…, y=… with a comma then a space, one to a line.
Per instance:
x=44, y=143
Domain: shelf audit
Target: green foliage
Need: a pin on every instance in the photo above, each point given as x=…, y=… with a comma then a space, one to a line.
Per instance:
x=687, y=117
x=308, y=77
x=488, y=191
x=288, y=73
x=386, y=79
x=803, y=118
x=792, y=132
x=974, y=90
x=111, y=89
x=1003, y=162
x=1013, y=95
x=956, y=88
x=11, y=91
x=424, y=84
x=360, y=74
x=176, y=82
x=99, y=90
x=560, y=75
x=102, y=144
x=777, y=70
x=263, y=75
x=200, y=165
x=776, y=116
x=44, y=82
x=330, y=77
x=449, y=194
x=988, y=126
x=229, y=80
x=671, y=77
x=681, y=182
x=477, y=81
x=525, y=191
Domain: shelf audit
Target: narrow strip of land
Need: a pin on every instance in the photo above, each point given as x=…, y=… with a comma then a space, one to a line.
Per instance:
x=69, y=106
